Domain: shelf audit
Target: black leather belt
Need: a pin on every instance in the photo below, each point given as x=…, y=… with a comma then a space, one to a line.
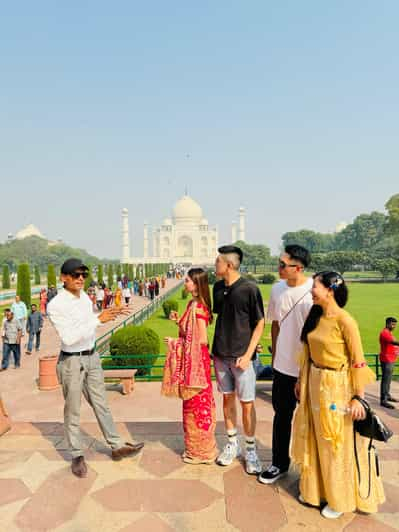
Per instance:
x=79, y=353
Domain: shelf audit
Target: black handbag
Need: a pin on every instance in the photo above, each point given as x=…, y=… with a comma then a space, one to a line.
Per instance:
x=374, y=428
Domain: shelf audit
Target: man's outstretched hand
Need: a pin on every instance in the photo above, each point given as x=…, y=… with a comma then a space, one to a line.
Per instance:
x=110, y=314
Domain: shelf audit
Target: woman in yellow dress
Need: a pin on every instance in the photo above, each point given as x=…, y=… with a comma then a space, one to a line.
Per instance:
x=118, y=297
x=332, y=371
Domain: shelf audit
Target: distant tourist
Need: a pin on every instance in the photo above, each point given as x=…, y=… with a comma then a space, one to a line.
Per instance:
x=20, y=312
x=51, y=293
x=333, y=375
x=127, y=294
x=156, y=287
x=79, y=367
x=388, y=355
x=151, y=289
x=11, y=334
x=34, y=327
x=43, y=302
x=289, y=305
x=239, y=327
x=187, y=371
x=118, y=297
x=100, y=297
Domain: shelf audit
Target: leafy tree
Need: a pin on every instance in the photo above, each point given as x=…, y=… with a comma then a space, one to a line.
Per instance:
x=23, y=284
x=386, y=267
x=254, y=255
x=6, y=277
x=392, y=206
x=37, y=275
x=364, y=233
x=51, y=277
x=311, y=240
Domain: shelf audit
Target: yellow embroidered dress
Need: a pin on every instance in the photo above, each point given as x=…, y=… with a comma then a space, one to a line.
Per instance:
x=333, y=369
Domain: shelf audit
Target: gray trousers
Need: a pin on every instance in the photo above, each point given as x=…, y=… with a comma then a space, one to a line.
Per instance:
x=387, y=370
x=79, y=375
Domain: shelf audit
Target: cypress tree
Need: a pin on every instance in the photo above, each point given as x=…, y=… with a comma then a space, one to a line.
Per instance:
x=126, y=269
x=51, y=277
x=130, y=272
x=6, y=276
x=118, y=270
x=89, y=279
x=23, y=284
x=110, y=275
x=100, y=274
x=37, y=275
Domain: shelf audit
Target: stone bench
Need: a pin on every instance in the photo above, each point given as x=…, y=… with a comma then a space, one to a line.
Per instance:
x=125, y=377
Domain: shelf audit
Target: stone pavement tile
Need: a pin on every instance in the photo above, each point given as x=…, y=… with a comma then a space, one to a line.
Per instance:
x=391, y=504
x=263, y=508
x=11, y=490
x=24, y=443
x=390, y=472
x=9, y=459
x=34, y=471
x=389, y=454
x=110, y=472
x=7, y=515
x=92, y=517
x=148, y=523
x=55, y=502
x=301, y=517
x=367, y=523
x=22, y=428
x=391, y=520
x=212, y=519
x=211, y=475
x=161, y=462
x=156, y=496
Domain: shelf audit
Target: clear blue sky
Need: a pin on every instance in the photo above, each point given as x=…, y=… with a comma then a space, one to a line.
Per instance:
x=288, y=108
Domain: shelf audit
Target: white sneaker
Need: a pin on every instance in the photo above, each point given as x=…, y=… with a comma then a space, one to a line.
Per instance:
x=271, y=474
x=230, y=452
x=329, y=513
x=252, y=463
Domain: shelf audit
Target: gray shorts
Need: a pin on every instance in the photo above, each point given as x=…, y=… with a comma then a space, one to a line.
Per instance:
x=231, y=379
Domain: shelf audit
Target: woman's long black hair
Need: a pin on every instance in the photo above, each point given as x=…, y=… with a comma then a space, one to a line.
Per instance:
x=331, y=280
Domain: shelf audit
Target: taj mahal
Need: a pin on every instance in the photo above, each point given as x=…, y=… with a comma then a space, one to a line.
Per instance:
x=184, y=238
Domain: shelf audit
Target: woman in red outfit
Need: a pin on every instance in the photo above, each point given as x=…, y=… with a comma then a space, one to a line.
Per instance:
x=187, y=372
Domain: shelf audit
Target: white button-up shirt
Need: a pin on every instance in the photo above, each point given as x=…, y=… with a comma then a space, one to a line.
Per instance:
x=74, y=320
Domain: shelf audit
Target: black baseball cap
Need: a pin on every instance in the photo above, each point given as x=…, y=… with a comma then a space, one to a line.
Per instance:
x=71, y=265
x=231, y=249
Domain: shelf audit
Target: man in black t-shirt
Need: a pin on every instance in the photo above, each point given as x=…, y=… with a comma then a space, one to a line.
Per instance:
x=239, y=327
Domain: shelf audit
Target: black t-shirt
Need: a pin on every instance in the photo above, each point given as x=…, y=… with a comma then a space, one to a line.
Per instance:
x=239, y=308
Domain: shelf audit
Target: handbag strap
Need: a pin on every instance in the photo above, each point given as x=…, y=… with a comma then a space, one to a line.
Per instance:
x=377, y=465
x=293, y=307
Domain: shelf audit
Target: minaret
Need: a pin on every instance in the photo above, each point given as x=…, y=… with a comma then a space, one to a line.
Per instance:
x=145, y=240
x=233, y=232
x=125, y=237
x=241, y=224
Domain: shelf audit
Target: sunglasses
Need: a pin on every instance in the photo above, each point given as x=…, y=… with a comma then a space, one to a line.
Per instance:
x=76, y=275
x=283, y=265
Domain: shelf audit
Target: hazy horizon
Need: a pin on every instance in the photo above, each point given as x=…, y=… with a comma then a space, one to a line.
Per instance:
x=287, y=109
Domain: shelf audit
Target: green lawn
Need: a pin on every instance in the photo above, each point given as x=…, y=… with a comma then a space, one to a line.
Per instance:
x=369, y=304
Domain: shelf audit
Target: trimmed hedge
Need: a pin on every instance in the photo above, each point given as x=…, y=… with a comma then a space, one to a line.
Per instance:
x=268, y=278
x=169, y=305
x=51, y=277
x=6, y=277
x=23, y=284
x=134, y=340
x=37, y=275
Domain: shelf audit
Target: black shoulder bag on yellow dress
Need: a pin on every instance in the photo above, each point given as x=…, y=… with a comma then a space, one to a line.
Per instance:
x=374, y=428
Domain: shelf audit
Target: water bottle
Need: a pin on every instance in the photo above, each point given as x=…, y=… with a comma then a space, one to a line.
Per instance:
x=340, y=409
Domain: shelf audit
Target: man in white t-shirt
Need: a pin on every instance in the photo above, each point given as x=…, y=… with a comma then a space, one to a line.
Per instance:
x=289, y=305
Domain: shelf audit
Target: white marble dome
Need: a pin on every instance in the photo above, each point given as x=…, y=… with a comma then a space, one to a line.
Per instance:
x=29, y=230
x=167, y=221
x=187, y=210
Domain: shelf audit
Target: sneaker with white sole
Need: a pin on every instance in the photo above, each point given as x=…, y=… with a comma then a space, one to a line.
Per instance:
x=230, y=452
x=252, y=463
x=329, y=513
x=271, y=474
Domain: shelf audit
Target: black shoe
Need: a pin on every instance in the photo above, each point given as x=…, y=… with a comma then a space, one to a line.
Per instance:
x=393, y=400
x=79, y=468
x=385, y=404
x=271, y=474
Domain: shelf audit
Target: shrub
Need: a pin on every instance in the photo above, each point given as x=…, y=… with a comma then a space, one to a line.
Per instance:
x=51, y=277
x=268, y=278
x=169, y=305
x=6, y=277
x=37, y=275
x=212, y=278
x=23, y=284
x=100, y=274
x=134, y=340
x=249, y=277
x=110, y=276
x=184, y=293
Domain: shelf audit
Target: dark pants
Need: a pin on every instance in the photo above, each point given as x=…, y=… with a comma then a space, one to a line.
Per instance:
x=284, y=403
x=387, y=370
x=30, y=341
x=15, y=349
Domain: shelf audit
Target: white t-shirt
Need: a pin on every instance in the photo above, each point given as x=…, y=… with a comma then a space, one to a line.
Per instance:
x=282, y=300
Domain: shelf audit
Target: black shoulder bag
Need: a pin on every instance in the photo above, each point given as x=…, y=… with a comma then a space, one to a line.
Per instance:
x=374, y=428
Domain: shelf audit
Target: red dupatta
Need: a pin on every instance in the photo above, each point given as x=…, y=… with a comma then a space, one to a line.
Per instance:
x=184, y=373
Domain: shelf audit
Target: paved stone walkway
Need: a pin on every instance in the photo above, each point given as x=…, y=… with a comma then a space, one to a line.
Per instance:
x=156, y=491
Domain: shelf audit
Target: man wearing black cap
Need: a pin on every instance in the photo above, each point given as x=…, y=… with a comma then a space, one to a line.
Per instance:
x=79, y=367
x=239, y=327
